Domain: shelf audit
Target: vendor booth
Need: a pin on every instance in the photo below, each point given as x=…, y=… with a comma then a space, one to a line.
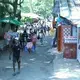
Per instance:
x=67, y=39
x=78, y=43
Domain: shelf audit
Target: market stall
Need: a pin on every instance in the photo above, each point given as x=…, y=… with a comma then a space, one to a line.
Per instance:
x=78, y=43
x=69, y=42
x=70, y=47
x=66, y=37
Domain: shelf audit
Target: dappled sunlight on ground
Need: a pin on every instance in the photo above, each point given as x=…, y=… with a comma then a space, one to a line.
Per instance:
x=47, y=62
x=66, y=74
x=32, y=59
x=22, y=65
x=66, y=69
x=77, y=70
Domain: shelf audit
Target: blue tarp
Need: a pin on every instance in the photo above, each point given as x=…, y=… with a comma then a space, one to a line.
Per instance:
x=63, y=20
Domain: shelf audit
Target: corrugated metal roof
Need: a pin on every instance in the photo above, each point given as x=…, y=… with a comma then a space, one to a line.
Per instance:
x=69, y=9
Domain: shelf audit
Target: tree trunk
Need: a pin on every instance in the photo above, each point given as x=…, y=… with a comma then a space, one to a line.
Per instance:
x=15, y=7
x=30, y=6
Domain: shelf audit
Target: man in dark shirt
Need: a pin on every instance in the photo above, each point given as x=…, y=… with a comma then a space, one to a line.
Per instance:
x=16, y=55
x=25, y=35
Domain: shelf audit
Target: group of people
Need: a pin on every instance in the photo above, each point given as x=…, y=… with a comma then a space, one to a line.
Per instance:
x=28, y=40
x=25, y=42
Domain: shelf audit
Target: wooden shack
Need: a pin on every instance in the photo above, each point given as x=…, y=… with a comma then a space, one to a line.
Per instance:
x=67, y=40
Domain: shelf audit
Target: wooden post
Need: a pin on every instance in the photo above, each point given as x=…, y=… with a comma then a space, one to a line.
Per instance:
x=59, y=38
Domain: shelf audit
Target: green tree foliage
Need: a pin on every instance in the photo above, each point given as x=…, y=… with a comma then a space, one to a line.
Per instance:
x=10, y=7
x=44, y=7
x=41, y=7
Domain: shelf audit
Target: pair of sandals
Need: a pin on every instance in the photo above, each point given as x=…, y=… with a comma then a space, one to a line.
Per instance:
x=14, y=74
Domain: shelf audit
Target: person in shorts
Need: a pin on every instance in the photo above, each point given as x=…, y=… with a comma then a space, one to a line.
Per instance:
x=16, y=55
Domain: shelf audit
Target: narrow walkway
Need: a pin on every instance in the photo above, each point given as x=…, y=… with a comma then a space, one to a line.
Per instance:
x=46, y=64
x=35, y=66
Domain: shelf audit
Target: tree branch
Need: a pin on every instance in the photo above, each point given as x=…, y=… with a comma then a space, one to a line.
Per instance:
x=20, y=2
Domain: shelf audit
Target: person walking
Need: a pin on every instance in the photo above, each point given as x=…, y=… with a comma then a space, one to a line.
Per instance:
x=34, y=40
x=16, y=55
x=29, y=44
x=24, y=37
x=41, y=35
